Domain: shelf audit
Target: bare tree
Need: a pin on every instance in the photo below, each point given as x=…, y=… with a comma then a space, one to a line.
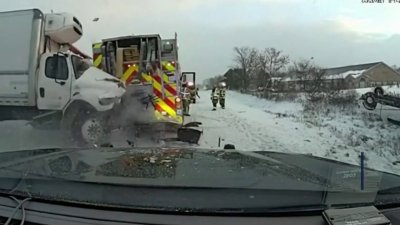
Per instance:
x=316, y=87
x=245, y=59
x=395, y=67
x=271, y=62
x=301, y=71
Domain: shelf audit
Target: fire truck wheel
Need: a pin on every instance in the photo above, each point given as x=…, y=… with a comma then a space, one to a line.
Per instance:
x=379, y=91
x=87, y=129
x=369, y=101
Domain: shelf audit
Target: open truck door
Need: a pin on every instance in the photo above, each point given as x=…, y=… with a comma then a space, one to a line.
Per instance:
x=188, y=77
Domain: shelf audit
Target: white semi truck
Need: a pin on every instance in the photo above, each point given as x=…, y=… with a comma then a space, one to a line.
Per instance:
x=43, y=82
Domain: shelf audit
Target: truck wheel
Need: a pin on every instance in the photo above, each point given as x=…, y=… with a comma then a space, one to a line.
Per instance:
x=379, y=91
x=87, y=128
x=369, y=101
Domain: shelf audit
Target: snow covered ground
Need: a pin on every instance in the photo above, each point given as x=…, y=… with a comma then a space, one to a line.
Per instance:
x=254, y=124
x=19, y=135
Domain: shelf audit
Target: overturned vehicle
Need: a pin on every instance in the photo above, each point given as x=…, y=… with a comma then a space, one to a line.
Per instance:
x=385, y=105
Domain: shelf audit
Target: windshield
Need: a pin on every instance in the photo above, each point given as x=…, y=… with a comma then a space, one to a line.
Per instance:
x=266, y=98
x=79, y=65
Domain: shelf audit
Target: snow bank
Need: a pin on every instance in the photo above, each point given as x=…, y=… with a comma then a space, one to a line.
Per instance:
x=264, y=104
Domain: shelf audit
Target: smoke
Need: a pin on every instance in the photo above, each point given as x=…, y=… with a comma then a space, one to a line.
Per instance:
x=137, y=106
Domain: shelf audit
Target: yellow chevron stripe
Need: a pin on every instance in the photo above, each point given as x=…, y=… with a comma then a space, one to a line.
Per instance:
x=97, y=45
x=97, y=61
x=157, y=85
x=147, y=77
x=165, y=78
x=129, y=71
x=168, y=66
x=169, y=94
x=176, y=119
x=170, y=111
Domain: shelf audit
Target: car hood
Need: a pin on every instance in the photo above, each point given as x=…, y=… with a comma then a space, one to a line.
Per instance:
x=186, y=167
x=94, y=78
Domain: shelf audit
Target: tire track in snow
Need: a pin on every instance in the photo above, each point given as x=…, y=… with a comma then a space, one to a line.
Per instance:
x=233, y=127
x=257, y=135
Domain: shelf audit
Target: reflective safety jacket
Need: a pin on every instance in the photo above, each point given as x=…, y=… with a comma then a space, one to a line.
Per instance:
x=186, y=93
x=215, y=92
x=222, y=93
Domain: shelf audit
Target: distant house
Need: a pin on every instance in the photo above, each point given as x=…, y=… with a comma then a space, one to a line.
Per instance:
x=364, y=75
x=349, y=77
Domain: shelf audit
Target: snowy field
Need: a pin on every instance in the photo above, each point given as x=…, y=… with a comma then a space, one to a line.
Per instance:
x=254, y=124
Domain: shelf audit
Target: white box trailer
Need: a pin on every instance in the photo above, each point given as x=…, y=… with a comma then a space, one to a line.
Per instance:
x=20, y=47
x=41, y=80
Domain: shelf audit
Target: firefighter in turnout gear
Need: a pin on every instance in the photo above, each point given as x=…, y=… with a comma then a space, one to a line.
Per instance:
x=215, y=97
x=222, y=90
x=218, y=95
x=186, y=98
x=193, y=92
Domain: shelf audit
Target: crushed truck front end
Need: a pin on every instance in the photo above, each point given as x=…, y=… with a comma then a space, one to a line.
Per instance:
x=152, y=96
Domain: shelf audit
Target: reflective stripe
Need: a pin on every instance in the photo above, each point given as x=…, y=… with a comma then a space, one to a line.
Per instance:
x=130, y=73
x=97, y=45
x=166, y=104
x=98, y=60
x=170, y=111
x=157, y=91
x=166, y=78
x=169, y=87
x=222, y=93
x=97, y=56
x=168, y=66
x=170, y=90
x=215, y=93
x=147, y=77
x=162, y=105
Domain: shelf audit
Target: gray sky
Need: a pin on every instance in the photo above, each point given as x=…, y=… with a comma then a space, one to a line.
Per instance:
x=335, y=33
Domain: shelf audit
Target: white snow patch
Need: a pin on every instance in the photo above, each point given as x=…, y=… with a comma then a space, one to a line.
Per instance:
x=353, y=73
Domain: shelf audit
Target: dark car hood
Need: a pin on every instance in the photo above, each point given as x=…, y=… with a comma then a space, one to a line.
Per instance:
x=191, y=168
x=191, y=178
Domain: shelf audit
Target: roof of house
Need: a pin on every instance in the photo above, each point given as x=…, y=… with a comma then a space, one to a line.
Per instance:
x=342, y=72
x=353, y=70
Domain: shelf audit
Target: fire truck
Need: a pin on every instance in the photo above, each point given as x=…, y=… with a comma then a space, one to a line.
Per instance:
x=150, y=68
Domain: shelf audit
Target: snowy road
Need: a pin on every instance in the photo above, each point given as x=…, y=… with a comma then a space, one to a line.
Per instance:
x=252, y=125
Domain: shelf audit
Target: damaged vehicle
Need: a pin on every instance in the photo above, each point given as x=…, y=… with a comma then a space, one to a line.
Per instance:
x=47, y=81
x=385, y=105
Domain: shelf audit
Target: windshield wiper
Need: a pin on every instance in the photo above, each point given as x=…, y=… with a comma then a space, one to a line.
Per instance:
x=20, y=204
x=299, y=210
